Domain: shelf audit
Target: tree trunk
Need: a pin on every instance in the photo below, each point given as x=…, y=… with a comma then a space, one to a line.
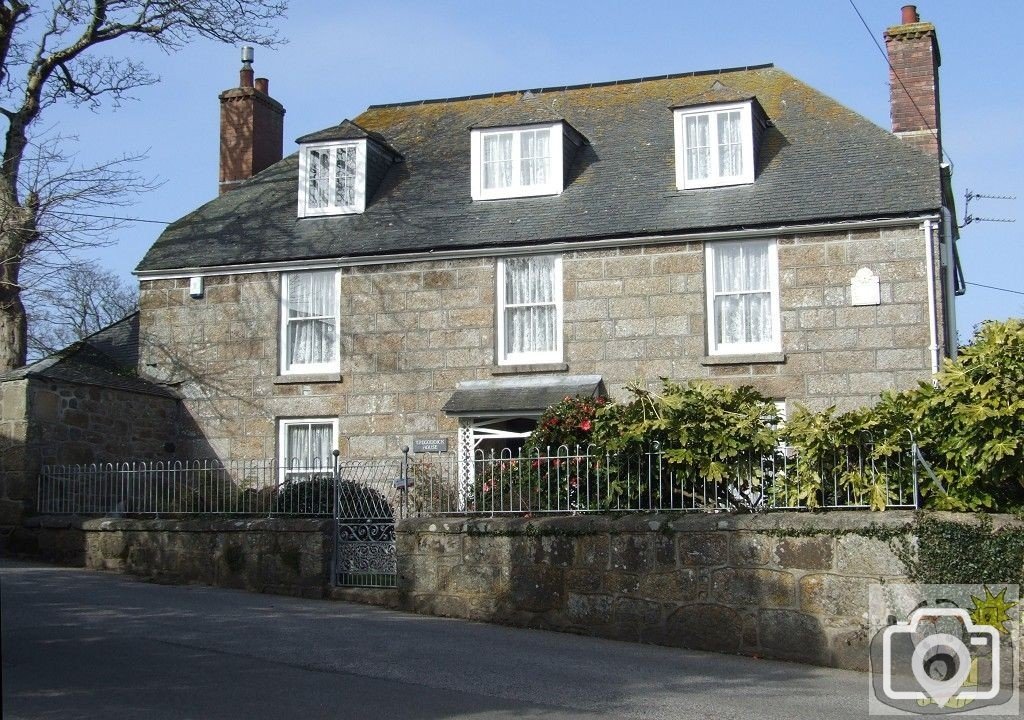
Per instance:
x=13, y=321
x=17, y=226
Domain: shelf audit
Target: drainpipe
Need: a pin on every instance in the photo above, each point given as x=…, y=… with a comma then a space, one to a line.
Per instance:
x=933, y=329
x=948, y=281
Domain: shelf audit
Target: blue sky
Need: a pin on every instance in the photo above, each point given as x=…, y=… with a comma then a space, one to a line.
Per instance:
x=343, y=56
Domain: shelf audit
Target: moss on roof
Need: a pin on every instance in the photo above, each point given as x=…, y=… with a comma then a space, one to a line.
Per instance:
x=820, y=161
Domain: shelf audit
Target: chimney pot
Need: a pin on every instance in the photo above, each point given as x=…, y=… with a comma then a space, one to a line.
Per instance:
x=914, y=60
x=251, y=128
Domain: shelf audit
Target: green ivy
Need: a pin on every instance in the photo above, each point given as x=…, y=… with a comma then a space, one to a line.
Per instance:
x=961, y=553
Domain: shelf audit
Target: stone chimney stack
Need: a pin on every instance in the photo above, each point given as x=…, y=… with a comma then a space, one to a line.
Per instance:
x=914, y=61
x=251, y=128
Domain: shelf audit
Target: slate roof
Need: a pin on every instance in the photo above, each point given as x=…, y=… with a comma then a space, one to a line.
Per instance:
x=819, y=161
x=519, y=395
x=107, y=358
x=346, y=130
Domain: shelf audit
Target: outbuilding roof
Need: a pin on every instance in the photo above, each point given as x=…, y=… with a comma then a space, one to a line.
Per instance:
x=107, y=358
x=818, y=162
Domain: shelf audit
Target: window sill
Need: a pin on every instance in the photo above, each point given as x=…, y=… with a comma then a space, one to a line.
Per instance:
x=311, y=378
x=754, y=359
x=527, y=369
x=328, y=213
x=712, y=184
x=519, y=192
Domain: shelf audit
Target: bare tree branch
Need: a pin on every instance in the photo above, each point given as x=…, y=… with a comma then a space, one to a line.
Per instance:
x=74, y=302
x=49, y=55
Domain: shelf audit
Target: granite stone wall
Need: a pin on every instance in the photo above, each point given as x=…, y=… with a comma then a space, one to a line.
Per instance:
x=787, y=585
x=411, y=331
x=52, y=422
x=281, y=556
x=14, y=460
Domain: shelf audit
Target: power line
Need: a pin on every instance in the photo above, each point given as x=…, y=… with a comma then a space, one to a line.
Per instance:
x=896, y=75
x=111, y=217
x=1000, y=289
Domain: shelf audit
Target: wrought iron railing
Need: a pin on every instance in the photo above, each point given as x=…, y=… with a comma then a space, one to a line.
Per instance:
x=587, y=480
x=562, y=480
x=365, y=488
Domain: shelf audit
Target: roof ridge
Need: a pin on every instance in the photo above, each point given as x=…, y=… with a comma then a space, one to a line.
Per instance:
x=581, y=86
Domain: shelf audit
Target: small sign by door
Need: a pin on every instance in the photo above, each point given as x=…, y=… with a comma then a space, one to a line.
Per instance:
x=434, y=445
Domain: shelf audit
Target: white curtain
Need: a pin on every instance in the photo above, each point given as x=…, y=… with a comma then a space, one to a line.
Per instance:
x=312, y=310
x=497, y=160
x=309, y=446
x=318, y=178
x=698, y=147
x=345, y=176
x=531, y=313
x=743, y=298
x=730, y=144
x=535, y=156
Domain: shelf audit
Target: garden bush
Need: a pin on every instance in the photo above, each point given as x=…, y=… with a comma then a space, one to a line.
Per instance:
x=968, y=423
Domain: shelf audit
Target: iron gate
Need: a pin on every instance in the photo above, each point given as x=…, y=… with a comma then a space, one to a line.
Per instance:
x=369, y=495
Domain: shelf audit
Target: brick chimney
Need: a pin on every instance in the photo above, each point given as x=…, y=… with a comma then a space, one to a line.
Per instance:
x=251, y=128
x=914, y=81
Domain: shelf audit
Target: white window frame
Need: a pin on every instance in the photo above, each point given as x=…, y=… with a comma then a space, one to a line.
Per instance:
x=536, y=358
x=359, y=200
x=714, y=180
x=772, y=346
x=553, y=186
x=308, y=368
x=282, y=442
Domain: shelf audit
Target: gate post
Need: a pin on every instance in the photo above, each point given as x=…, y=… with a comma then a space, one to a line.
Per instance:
x=405, y=482
x=336, y=524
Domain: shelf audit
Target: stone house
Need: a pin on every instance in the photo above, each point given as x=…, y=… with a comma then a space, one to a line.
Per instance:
x=445, y=269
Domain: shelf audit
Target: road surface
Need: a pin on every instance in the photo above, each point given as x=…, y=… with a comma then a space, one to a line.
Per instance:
x=81, y=644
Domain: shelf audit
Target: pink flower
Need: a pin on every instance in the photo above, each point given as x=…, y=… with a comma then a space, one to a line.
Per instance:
x=585, y=426
x=487, y=486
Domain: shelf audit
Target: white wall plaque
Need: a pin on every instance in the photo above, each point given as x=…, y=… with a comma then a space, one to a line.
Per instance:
x=864, y=288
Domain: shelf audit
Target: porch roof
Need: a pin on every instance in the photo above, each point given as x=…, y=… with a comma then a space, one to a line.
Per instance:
x=518, y=396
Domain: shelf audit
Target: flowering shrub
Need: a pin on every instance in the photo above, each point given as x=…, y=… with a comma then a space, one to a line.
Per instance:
x=569, y=423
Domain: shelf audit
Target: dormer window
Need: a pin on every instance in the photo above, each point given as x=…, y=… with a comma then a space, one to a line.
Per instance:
x=714, y=146
x=517, y=161
x=332, y=178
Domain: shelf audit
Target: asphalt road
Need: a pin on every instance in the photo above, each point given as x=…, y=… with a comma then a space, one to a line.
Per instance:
x=80, y=644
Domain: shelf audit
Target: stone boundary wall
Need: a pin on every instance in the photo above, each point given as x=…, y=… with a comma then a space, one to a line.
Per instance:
x=790, y=586
x=281, y=556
